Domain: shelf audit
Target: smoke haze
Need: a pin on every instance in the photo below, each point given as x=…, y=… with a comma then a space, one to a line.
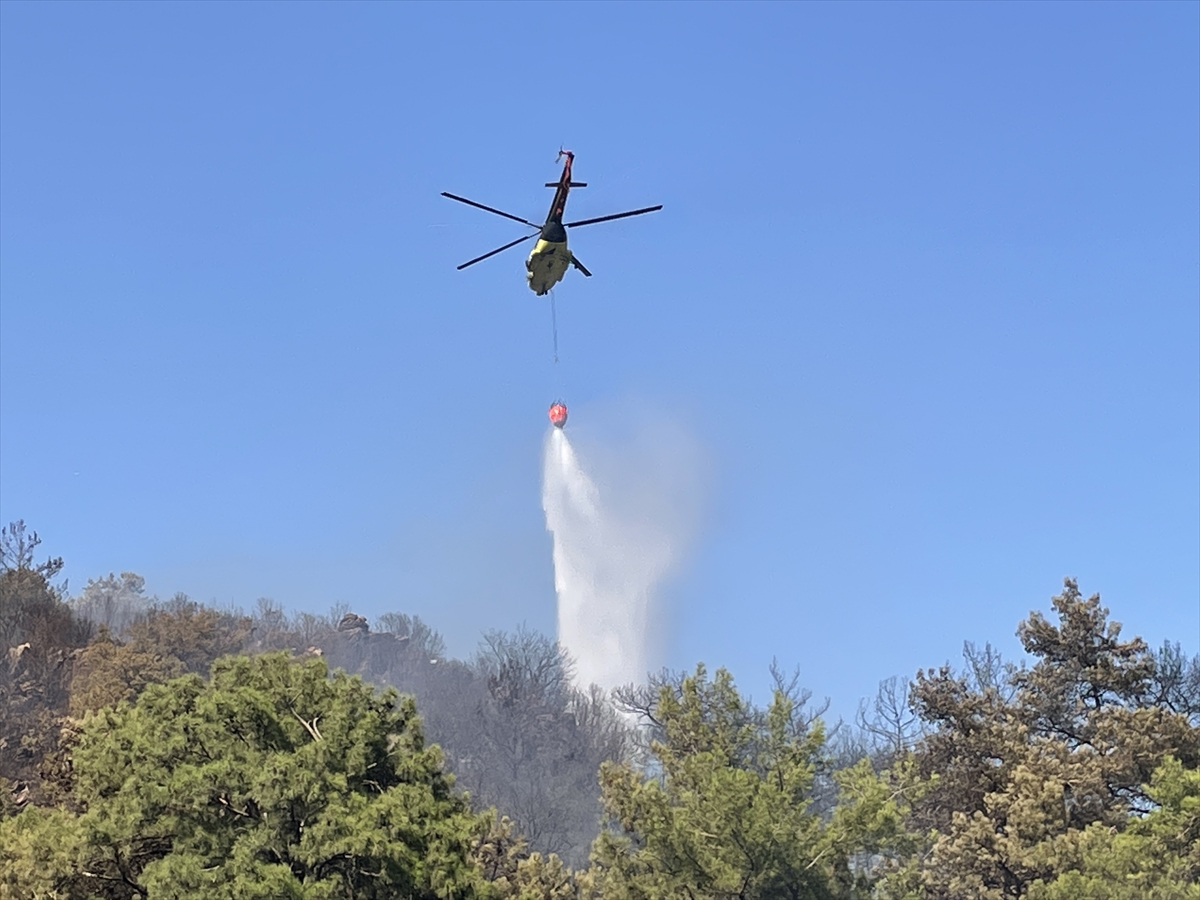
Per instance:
x=622, y=518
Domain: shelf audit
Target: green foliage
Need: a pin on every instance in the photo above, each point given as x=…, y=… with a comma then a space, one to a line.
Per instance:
x=515, y=873
x=869, y=823
x=35, y=847
x=1077, y=776
x=729, y=813
x=1082, y=667
x=271, y=780
x=1156, y=858
x=162, y=644
x=193, y=634
x=1023, y=773
x=107, y=673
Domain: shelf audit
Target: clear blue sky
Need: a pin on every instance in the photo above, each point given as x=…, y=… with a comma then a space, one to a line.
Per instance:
x=925, y=289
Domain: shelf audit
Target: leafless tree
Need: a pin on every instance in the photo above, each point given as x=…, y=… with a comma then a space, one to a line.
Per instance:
x=889, y=724
x=987, y=670
x=1175, y=684
x=520, y=737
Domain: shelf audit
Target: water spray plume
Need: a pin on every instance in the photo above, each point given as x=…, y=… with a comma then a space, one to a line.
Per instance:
x=613, y=550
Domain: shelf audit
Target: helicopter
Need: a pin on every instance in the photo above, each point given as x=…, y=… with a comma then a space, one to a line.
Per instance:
x=550, y=258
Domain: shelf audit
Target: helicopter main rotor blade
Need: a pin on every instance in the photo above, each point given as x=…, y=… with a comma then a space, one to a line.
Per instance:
x=519, y=240
x=636, y=212
x=498, y=212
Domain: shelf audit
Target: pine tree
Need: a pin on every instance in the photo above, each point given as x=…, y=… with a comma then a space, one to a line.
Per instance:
x=269, y=780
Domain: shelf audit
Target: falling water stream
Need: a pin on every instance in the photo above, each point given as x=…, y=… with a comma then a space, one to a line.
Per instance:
x=607, y=569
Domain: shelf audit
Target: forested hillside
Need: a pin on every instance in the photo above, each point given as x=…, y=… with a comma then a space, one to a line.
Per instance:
x=153, y=748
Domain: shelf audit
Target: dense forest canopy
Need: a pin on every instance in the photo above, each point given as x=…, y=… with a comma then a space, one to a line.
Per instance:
x=153, y=749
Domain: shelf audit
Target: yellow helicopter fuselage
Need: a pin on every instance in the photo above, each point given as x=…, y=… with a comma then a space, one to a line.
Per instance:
x=547, y=264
